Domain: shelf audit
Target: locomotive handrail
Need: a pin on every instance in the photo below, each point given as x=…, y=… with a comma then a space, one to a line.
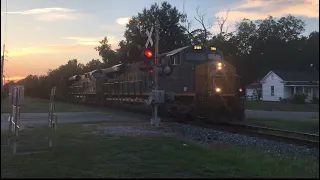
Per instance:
x=115, y=90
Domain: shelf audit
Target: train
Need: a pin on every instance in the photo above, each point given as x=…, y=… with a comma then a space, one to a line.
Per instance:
x=199, y=83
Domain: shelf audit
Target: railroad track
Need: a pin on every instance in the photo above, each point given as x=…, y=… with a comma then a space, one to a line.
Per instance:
x=299, y=138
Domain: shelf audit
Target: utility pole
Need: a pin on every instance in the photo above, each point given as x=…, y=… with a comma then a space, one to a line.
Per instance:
x=2, y=66
x=156, y=120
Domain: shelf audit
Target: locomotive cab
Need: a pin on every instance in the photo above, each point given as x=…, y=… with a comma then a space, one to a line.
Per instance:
x=217, y=87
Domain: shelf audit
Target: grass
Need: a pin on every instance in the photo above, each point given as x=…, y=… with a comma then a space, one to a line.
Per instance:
x=35, y=105
x=309, y=126
x=79, y=154
x=277, y=106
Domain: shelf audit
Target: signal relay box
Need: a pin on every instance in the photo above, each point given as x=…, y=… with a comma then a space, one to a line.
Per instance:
x=157, y=97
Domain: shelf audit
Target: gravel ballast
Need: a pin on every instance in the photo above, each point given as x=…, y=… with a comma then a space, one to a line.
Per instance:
x=210, y=136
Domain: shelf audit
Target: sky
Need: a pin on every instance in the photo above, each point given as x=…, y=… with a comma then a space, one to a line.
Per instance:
x=44, y=34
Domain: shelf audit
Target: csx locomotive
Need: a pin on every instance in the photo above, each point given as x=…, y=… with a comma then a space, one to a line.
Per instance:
x=197, y=81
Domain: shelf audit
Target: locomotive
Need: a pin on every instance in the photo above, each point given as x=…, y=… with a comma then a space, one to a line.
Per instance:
x=198, y=83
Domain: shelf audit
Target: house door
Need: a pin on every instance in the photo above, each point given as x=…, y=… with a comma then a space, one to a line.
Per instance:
x=292, y=90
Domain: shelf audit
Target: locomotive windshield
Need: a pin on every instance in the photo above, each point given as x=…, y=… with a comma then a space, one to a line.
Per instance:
x=199, y=53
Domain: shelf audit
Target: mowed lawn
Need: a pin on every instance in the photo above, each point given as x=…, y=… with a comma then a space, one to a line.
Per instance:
x=36, y=105
x=78, y=153
x=307, y=126
x=277, y=106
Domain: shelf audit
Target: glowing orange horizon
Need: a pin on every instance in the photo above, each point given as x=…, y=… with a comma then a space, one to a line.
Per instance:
x=13, y=78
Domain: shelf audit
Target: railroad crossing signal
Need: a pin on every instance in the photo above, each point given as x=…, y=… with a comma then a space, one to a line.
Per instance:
x=148, y=58
x=149, y=34
x=148, y=53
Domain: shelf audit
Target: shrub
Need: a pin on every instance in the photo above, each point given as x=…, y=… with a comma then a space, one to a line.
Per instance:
x=4, y=95
x=299, y=98
x=315, y=100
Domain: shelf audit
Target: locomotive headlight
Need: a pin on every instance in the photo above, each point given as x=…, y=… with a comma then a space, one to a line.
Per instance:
x=218, y=90
x=219, y=66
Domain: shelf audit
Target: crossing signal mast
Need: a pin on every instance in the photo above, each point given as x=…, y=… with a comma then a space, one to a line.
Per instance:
x=150, y=59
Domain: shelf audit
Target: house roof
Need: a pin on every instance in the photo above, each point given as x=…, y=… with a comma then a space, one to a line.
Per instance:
x=301, y=84
x=298, y=76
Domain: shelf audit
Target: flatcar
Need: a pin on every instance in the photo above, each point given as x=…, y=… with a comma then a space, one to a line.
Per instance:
x=200, y=84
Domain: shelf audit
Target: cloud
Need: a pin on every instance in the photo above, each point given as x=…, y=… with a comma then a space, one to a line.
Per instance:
x=38, y=28
x=112, y=27
x=94, y=41
x=50, y=49
x=85, y=41
x=123, y=20
x=261, y=9
x=49, y=14
x=80, y=44
x=278, y=8
x=42, y=10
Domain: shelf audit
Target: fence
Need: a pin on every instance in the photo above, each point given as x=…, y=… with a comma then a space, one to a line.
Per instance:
x=16, y=100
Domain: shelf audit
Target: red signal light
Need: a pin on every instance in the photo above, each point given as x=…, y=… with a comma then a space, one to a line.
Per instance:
x=148, y=53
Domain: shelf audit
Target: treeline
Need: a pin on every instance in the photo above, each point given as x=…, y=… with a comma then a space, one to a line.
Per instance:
x=256, y=47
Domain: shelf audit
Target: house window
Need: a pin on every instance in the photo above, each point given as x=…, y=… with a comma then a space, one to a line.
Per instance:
x=272, y=90
x=271, y=76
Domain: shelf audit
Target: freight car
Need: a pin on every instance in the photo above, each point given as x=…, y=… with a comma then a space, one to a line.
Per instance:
x=199, y=83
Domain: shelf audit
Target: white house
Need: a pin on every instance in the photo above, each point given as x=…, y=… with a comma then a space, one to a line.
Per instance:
x=278, y=85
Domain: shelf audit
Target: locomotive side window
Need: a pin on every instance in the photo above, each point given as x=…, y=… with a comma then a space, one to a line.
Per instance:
x=170, y=60
x=163, y=61
x=176, y=60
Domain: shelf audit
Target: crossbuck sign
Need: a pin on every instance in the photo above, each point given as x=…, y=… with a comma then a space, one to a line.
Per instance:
x=149, y=41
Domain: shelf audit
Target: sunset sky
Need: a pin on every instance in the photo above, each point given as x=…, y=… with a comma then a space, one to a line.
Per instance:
x=43, y=34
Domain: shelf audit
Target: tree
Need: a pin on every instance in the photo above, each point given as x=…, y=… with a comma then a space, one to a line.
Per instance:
x=169, y=19
x=108, y=55
x=221, y=20
x=269, y=44
x=6, y=89
x=201, y=36
x=245, y=36
x=128, y=52
x=93, y=64
x=256, y=47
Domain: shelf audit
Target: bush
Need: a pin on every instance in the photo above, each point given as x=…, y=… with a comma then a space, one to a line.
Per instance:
x=315, y=101
x=299, y=98
x=4, y=95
